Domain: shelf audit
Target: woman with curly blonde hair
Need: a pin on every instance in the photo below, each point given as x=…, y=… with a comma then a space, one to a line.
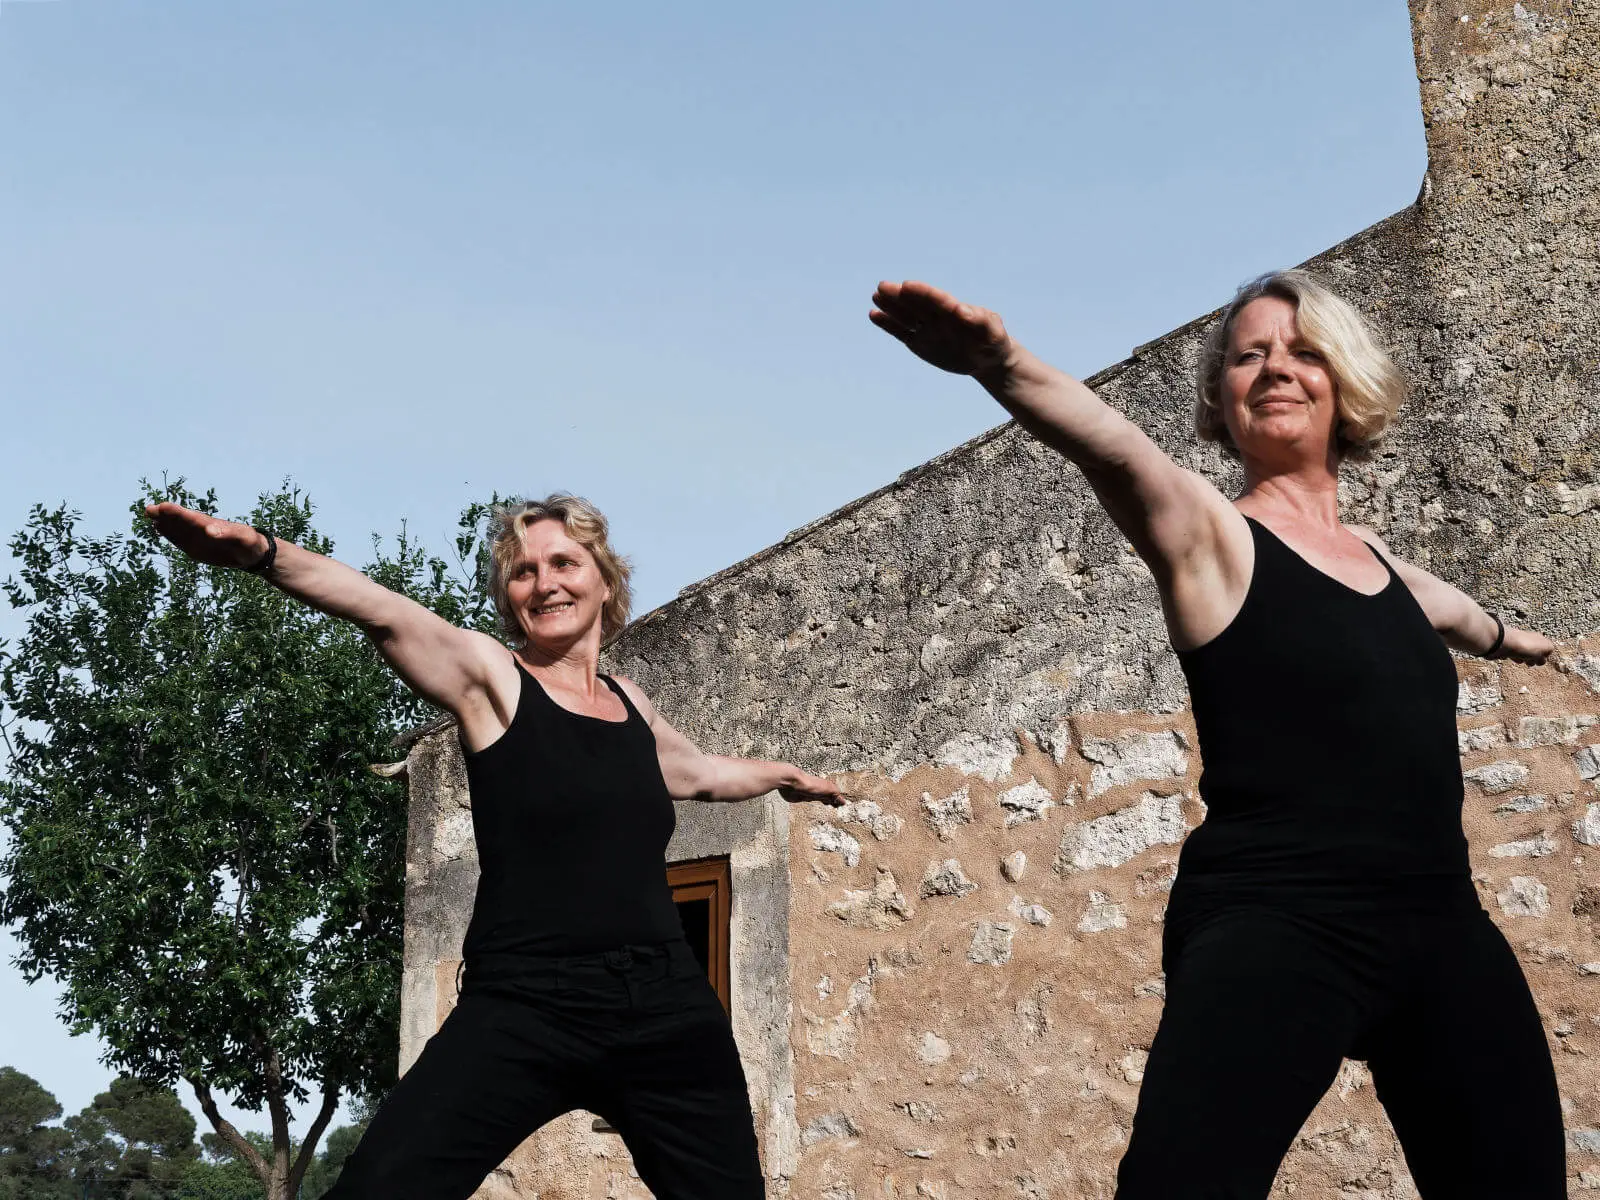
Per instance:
x=1325, y=908
x=580, y=990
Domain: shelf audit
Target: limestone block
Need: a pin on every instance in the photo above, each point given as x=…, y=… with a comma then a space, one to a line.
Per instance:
x=1485, y=737
x=1498, y=777
x=991, y=943
x=946, y=879
x=1541, y=845
x=987, y=758
x=932, y=1049
x=1013, y=866
x=1524, y=896
x=883, y=826
x=1102, y=914
x=1587, y=828
x=1033, y=914
x=1134, y=755
x=945, y=816
x=1588, y=762
x=1113, y=839
x=1026, y=802
x=830, y=839
x=881, y=908
x=830, y=1125
x=1523, y=804
x=1478, y=695
x=1552, y=731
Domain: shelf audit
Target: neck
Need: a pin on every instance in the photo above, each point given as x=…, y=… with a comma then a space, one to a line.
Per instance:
x=1303, y=491
x=575, y=666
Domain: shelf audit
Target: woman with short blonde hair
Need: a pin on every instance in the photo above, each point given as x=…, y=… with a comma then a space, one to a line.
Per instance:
x=1325, y=907
x=580, y=990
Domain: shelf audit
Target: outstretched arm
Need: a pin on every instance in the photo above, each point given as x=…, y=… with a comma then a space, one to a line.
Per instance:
x=692, y=774
x=448, y=666
x=1167, y=512
x=1459, y=619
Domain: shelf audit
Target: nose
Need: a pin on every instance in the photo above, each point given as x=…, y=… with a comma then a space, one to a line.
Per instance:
x=1278, y=360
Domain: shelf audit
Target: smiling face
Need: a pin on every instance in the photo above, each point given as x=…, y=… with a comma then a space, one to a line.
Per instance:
x=1277, y=393
x=555, y=588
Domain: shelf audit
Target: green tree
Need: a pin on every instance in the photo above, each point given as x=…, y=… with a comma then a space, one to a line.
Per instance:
x=34, y=1156
x=198, y=852
x=134, y=1141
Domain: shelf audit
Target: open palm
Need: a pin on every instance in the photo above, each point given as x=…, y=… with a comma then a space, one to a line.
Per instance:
x=939, y=329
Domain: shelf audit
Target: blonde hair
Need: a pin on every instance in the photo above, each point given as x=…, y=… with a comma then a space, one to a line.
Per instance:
x=1368, y=388
x=584, y=524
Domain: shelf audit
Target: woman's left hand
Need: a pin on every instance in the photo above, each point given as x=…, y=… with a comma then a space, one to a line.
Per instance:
x=1525, y=646
x=803, y=788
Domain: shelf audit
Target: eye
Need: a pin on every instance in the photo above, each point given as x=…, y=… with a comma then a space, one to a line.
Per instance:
x=1246, y=355
x=1309, y=355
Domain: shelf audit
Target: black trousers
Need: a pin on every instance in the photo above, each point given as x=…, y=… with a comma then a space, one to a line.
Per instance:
x=636, y=1035
x=1261, y=1008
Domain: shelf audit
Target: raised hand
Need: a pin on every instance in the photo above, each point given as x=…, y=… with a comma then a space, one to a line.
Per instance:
x=939, y=329
x=205, y=538
x=812, y=787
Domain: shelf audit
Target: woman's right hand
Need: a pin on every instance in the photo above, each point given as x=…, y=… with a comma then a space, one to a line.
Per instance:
x=939, y=329
x=205, y=538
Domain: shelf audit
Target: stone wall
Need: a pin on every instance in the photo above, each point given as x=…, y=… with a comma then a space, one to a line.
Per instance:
x=983, y=653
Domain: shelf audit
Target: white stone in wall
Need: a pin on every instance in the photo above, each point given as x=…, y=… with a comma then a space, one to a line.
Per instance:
x=1134, y=755
x=943, y=816
x=1478, y=695
x=1133, y=1064
x=1486, y=737
x=1587, y=828
x=881, y=908
x=991, y=943
x=1102, y=915
x=1156, y=987
x=1587, y=668
x=1059, y=740
x=830, y=1125
x=1586, y=1140
x=932, y=1050
x=452, y=836
x=1113, y=839
x=1552, y=731
x=1026, y=802
x=946, y=879
x=1588, y=762
x=973, y=755
x=1524, y=896
x=1499, y=776
x=1540, y=846
x=830, y=839
x=1589, y=968
x=882, y=825
x=1033, y=914
x=1523, y=804
x=1013, y=865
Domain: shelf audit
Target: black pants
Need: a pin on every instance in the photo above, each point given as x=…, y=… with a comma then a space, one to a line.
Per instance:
x=1261, y=1008
x=636, y=1035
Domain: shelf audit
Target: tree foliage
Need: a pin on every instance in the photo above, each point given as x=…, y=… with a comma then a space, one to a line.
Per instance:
x=198, y=852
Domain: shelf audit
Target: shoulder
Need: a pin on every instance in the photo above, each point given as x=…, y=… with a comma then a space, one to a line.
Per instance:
x=1371, y=538
x=642, y=702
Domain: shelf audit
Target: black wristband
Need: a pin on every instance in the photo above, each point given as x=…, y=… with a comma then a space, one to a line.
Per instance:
x=1499, y=637
x=264, y=564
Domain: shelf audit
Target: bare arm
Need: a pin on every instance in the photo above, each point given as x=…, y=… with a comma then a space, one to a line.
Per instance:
x=1195, y=542
x=1459, y=619
x=452, y=668
x=692, y=774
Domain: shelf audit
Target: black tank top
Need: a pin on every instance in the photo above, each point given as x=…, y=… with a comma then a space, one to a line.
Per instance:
x=1327, y=730
x=571, y=817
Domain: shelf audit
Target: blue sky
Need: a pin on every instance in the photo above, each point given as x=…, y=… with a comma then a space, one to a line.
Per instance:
x=408, y=254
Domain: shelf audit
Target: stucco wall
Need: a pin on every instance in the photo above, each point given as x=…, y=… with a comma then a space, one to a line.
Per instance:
x=979, y=625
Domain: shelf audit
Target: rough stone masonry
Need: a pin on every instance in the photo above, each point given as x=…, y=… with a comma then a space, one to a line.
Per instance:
x=948, y=988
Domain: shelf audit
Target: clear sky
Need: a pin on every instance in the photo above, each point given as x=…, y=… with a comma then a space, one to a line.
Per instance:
x=407, y=254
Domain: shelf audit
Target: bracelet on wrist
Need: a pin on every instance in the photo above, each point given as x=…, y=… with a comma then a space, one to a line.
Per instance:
x=1499, y=637
x=264, y=564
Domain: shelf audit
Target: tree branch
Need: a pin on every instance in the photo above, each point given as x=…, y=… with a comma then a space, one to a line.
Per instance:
x=330, y=1101
x=228, y=1133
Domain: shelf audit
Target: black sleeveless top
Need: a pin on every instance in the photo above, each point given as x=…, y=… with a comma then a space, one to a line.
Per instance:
x=571, y=817
x=1327, y=729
